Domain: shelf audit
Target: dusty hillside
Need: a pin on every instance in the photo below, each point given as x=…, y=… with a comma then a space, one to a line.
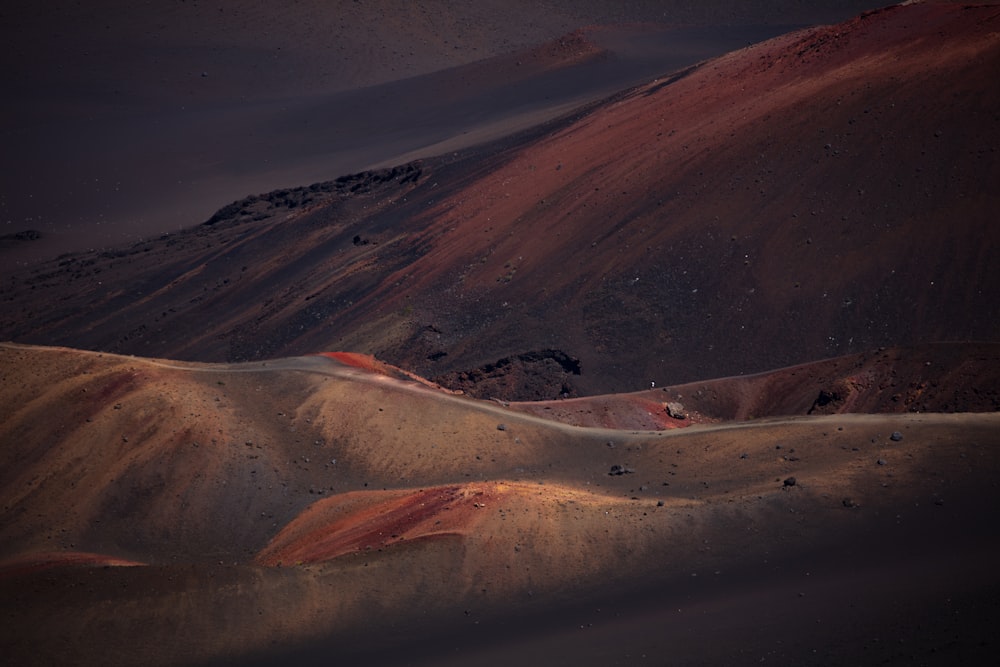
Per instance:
x=235, y=97
x=959, y=377
x=281, y=510
x=823, y=193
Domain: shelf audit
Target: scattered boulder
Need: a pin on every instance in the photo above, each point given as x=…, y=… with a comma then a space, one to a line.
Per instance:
x=676, y=410
x=789, y=481
x=896, y=436
x=619, y=470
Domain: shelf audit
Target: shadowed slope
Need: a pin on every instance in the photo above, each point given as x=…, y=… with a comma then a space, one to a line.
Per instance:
x=822, y=193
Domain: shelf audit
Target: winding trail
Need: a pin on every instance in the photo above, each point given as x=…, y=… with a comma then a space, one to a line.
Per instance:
x=320, y=364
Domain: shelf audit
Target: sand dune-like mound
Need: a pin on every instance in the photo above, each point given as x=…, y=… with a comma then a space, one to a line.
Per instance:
x=823, y=193
x=280, y=510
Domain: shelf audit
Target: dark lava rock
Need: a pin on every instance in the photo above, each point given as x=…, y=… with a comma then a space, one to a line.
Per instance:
x=619, y=470
x=789, y=481
x=896, y=436
x=532, y=376
x=24, y=235
x=830, y=400
x=501, y=427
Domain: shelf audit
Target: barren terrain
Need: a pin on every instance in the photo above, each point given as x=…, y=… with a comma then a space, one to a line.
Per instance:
x=301, y=506
x=823, y=193
x=577, y=338
x=124, y=120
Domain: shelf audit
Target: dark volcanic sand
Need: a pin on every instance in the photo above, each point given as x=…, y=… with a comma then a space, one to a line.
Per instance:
x=824, y=193
x=123, y=122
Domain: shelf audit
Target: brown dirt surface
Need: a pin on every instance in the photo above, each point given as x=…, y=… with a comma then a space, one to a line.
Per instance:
x=956, y=377
x=289, y=508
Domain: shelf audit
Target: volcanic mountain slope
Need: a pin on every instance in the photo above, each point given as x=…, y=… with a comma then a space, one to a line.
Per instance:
x=234, y=96
x=825, y=192
x=297, y=507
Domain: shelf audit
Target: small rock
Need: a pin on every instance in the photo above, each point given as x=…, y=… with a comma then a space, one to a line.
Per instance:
x=619, y=470
x=501, y=427
x=896, y=436
x=849, y=502
x=659, y=503
x=881, y=462
x=789, y=481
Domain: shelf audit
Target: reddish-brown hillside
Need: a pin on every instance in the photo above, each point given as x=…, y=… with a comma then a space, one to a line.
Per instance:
x=234, y=97
x=827, y=192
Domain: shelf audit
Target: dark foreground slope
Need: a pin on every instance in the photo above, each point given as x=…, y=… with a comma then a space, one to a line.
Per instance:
x=314, y=510
x=826, y=192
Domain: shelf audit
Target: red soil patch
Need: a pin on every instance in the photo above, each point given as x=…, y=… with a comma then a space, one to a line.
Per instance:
x=358, y=360
x=369, y=363
x=372, y=520
x=37, y=562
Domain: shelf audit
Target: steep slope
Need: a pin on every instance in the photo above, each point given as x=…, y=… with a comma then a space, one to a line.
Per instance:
x=235, y=97
x=827, y=192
